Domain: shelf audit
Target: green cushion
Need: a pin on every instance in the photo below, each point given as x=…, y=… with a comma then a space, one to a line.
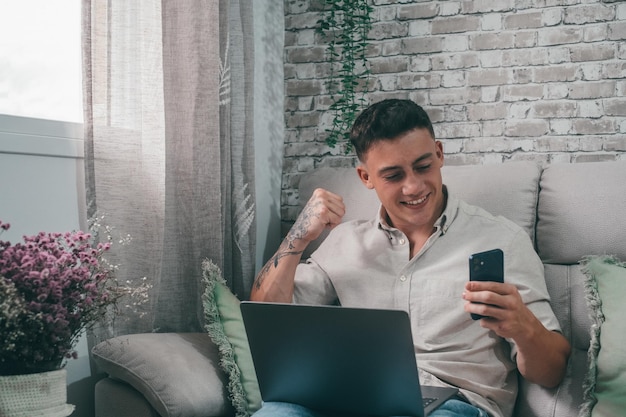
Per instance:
x=605, y=385
x=224, y=325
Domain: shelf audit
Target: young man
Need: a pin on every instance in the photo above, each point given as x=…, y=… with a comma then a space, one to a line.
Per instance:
x=414, y=256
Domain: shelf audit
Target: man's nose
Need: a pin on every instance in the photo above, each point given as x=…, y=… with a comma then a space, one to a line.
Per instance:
x=411, y=184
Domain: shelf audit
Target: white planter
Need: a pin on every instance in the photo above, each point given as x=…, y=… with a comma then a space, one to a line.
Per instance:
x=35, y=395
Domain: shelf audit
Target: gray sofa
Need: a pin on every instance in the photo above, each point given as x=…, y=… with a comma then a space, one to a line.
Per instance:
x=570, y=211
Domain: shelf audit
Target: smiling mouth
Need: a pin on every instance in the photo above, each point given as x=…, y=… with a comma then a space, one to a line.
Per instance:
x=416, y=202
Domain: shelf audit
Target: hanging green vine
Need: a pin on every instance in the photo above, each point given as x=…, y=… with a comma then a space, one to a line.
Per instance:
x=345, y=24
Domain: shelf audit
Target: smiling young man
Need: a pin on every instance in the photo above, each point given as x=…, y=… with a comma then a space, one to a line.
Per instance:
x=414, y=256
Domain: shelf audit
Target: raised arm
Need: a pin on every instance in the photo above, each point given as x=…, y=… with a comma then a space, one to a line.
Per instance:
x=275, y=281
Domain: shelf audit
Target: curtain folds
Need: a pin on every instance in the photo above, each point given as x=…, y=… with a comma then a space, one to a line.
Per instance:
x=169, y=152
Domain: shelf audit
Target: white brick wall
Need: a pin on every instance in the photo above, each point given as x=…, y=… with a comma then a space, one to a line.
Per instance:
x=541, y=80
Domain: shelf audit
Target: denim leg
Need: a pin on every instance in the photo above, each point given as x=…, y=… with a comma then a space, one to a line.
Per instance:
x=277, y=409
x=451, y=408
x=456, y=408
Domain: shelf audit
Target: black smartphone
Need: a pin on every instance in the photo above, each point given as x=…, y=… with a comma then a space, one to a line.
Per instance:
x=486, y=266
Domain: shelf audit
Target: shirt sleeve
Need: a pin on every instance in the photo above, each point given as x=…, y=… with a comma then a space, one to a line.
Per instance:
x=312, y=285
x=524, y=269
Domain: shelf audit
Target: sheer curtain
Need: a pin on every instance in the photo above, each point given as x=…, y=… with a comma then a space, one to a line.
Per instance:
x=169, y=152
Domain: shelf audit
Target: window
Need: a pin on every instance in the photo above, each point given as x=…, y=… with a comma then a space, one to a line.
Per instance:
x=40, y=59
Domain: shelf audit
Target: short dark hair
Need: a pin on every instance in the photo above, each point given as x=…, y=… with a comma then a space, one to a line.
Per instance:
x=386, y=120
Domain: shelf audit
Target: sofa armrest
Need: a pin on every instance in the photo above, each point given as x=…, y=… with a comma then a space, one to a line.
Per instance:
x=115, y=398
x=177, y=373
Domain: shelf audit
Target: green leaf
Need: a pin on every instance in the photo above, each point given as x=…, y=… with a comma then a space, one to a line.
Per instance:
x=345, y=24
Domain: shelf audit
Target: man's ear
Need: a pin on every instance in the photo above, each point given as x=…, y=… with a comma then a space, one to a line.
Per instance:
x=440, y=154
x=364, y=176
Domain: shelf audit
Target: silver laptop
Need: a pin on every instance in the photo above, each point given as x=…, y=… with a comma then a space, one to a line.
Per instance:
x=338, y=360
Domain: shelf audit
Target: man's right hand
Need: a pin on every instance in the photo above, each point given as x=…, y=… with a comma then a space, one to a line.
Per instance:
x=323, y=210
x=275, y=281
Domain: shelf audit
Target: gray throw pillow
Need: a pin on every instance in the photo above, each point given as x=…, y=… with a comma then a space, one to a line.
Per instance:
x=177, y=373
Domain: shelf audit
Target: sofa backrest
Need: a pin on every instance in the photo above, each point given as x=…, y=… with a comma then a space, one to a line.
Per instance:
x=508, y=190
x=579, y=212
x=582, y=211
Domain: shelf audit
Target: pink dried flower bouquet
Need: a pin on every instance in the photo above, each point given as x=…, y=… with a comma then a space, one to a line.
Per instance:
x=53, y=286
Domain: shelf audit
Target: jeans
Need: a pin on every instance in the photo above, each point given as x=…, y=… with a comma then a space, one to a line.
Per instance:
x=451, y=408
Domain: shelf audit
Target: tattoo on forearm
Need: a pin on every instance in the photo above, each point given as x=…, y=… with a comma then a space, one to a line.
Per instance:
x=297, y=231
x=272, y=262
x=301, y=227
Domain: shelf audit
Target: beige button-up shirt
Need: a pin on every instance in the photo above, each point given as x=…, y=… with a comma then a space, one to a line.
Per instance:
x=367, y=264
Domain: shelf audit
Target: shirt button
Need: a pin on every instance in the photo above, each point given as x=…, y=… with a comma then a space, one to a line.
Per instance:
x=402, y=241
x=403, y=278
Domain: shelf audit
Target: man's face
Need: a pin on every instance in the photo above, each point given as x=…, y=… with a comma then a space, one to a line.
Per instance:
x=406, y=174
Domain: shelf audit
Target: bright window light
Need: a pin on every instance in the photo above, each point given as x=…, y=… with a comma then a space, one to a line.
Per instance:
x=40, y=59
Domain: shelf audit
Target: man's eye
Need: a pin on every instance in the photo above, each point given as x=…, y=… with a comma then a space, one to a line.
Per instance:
x=423, y=168
x=393, y=177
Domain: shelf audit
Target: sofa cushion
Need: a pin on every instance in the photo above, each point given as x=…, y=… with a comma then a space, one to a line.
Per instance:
x=566, y=287
x=510, y=190
x=579, y=211
x=605, y=385
x=176, y=372
x=224, y=325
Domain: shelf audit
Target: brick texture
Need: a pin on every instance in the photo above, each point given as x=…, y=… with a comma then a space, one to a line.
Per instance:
x=502, y=80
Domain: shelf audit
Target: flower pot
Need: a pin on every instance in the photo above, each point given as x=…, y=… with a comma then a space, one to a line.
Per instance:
x=42, y=394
